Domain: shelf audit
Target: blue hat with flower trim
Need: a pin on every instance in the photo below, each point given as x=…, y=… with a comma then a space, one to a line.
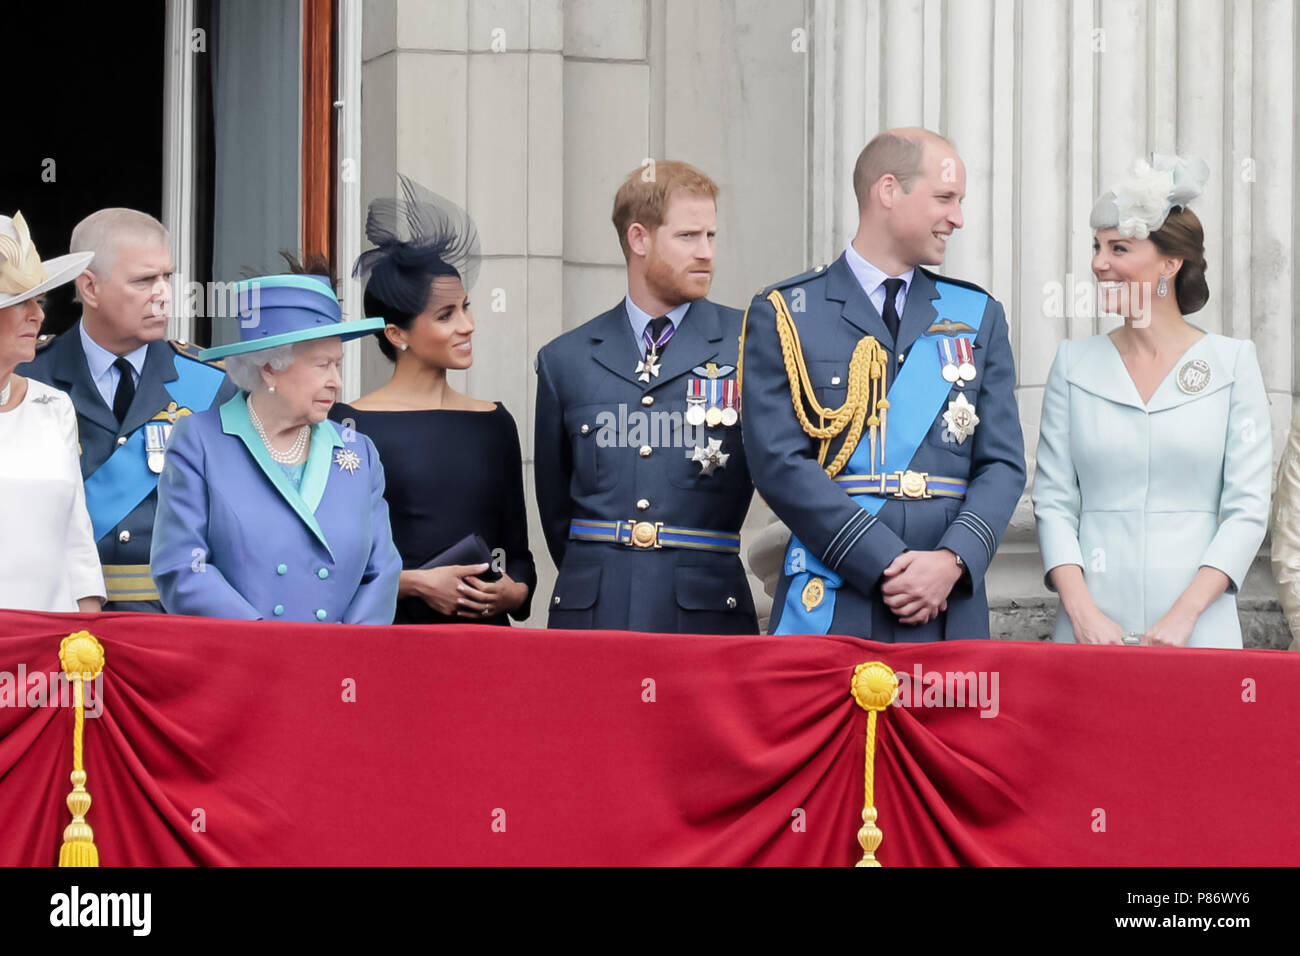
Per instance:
x=284, y=309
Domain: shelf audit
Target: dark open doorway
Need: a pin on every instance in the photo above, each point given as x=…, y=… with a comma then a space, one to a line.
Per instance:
x=87, y=128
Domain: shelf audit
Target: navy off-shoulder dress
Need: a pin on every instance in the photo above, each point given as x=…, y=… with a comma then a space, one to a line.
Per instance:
x=450, y=473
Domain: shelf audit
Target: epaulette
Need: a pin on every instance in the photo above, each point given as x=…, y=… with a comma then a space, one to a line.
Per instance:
x=191, y=351
x=45, y=341
x=934, y=276
x=794, y=280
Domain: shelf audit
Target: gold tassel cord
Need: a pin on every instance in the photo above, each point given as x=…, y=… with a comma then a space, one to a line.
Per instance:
x=874, y=686
x=82, y=659
x=864, y=395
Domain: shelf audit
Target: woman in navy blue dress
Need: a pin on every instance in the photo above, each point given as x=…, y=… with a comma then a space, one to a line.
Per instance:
x=452, y=462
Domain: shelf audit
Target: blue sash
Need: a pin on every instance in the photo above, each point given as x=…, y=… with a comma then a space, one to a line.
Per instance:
x=118, y=486
x=915, y=400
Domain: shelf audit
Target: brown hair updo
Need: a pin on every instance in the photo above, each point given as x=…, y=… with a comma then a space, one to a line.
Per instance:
x=1183, y=238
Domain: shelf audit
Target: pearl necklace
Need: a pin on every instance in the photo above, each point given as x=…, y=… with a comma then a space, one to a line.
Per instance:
x=4, y=392
x=296, y=451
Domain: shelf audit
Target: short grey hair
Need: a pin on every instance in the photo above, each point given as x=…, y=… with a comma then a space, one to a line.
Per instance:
x=245, y=369
x=101, y=231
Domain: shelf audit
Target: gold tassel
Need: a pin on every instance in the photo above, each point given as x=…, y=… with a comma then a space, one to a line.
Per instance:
x=82, y=659
x=874, y=686
x=860, y=397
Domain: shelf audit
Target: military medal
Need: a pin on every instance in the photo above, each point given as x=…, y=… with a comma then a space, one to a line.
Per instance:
x=730, y=401
x=649, y=366
x=695, y=402
x=1194, y=376
x=965, y=359
x=155, y=445
x=710, y=457
x=960, y=419
x=950, y=373
x=713, y=417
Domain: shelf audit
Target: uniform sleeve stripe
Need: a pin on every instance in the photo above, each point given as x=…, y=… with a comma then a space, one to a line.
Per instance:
x=963, y=519
x=835, y=553
x=861, y=521
x=984, y=524
x=830, y=548
x=851, y=539
x=849, y=546
x=989, y=544
x=988, y=532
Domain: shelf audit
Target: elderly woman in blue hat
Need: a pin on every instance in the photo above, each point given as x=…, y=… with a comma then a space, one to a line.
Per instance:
x=267, y=510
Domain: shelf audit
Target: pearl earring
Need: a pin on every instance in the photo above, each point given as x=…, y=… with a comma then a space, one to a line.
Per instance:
x=271, y=389
x=402, y=346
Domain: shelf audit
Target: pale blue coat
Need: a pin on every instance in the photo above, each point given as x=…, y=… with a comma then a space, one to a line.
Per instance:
x=1141, y=496
x=234, y=538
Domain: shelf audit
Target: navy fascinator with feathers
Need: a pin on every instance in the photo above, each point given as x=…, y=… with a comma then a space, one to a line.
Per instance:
x=417, y=237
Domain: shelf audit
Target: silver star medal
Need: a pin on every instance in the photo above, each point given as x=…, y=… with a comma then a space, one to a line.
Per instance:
x=647, y=367
x=960, y=419
x=347, y=460
x=710, y=457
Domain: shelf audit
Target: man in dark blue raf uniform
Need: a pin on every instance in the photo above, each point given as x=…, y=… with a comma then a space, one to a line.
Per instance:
x=129, y=386
x=881, y=396
x=642, y=480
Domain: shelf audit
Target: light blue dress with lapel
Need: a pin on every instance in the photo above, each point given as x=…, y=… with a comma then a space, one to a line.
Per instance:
x=1141, y=496
x=234, y=538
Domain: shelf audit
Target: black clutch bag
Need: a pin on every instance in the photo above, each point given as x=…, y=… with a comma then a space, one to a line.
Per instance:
x=471, y=549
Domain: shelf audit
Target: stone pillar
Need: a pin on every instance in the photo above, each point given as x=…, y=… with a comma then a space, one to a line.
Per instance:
x=1049, y=103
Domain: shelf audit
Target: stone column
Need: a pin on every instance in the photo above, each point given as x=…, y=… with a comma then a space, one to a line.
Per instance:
x=1049, y=103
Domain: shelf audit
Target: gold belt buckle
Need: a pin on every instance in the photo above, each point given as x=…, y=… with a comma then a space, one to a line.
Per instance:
x=645, y=534
x=913, y=484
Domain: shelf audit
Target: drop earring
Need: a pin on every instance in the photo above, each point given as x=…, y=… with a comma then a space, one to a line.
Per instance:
x=1162, y=287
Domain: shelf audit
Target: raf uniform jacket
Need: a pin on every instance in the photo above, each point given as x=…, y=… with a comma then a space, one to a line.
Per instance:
x=124, y=547
x=611, y=448
x=836, y=313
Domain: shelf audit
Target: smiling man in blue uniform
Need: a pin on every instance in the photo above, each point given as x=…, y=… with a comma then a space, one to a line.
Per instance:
x=129, y=387
x=881, y=395
x=642, y=480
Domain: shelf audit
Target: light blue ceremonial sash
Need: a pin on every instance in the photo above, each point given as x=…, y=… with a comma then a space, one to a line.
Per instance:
x=118, y=486
x=915, y=399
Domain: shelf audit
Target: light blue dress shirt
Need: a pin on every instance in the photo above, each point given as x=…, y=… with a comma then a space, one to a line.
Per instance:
x=640, y=318
x=100, y=360
x=872, y=281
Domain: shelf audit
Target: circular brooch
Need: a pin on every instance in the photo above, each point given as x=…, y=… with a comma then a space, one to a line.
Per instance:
x=1194, y=376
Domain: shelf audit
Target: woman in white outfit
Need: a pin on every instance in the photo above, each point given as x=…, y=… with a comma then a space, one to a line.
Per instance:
x=49, y=562
x=1154, y=461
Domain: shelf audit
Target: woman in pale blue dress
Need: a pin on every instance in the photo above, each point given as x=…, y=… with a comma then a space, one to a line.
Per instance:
x=1154, y=457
